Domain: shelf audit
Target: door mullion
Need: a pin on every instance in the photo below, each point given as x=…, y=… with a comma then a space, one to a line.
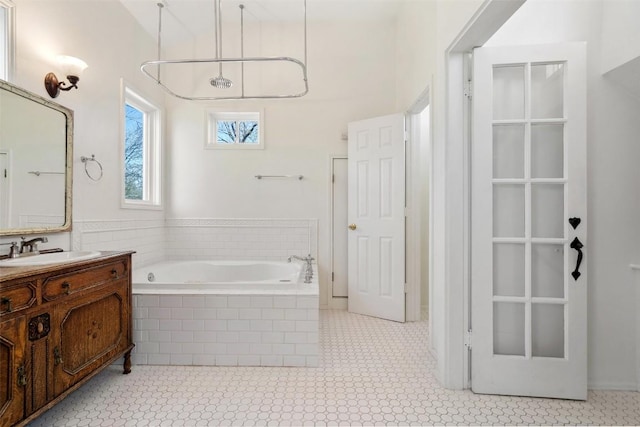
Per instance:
x=527, y=210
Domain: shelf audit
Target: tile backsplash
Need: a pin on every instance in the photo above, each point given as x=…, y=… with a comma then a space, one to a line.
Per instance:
x=200, y=238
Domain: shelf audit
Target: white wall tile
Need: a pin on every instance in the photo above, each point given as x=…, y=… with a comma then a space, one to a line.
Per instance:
x=284, y=302
x=193, y=325
x=181, y=336
x=250, y=313
x=273, y=313
x=227, y=360
x=248, y=360
x=159, y=313
x=295, y=314
x=227, y=313
x=215, y=325
x=273, y=337
x=216, y=348
x=227, y=337
x=238, y=301
x=159, y=336
x=182, y=313
x=290, y=360
x=271, y=360
x=193, y=301
x=284, y=325
x=262, y=325
x=193, y=348
x=250, y=336
x=262, y=302
x=172, y=301
x=239, y=325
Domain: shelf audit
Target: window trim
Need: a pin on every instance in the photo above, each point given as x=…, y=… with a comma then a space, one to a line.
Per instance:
x=8, y=68
x=153, y=116
x=212, y=117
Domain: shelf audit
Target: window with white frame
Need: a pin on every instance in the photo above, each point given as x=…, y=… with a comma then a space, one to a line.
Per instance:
x=234, y=130
x=141, y=151
x=6, y=39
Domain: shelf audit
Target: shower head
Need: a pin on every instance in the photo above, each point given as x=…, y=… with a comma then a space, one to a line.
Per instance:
x=221, y=82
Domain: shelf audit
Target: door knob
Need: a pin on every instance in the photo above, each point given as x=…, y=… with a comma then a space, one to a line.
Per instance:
x=352, y=226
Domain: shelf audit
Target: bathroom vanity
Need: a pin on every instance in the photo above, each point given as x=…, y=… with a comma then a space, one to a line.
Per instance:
x=60, y=324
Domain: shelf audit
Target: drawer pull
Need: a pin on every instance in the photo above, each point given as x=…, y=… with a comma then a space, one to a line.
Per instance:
x=7, y=302
x=66, y=287
x=114, y=273
x=22, y=376
x=57, y=357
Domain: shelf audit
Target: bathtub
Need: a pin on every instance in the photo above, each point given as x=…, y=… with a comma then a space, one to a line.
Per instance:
x=222, y=277
x=248, y=313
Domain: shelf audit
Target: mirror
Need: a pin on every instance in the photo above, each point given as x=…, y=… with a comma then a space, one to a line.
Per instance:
x=36, y=159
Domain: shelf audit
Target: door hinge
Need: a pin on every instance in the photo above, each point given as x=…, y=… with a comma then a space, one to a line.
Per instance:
x=406, y=286
x=333, y=178
x=5, y=173
x=467, y=339
x=332, y=276
x=468, y=89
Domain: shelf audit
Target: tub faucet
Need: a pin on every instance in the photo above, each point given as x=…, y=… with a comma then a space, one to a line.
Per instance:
x=308, y=268
x=32, y=245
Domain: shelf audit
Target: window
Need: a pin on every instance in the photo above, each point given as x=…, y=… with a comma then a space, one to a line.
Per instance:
x=141, y=156
x=7, y=43
x=234, y=130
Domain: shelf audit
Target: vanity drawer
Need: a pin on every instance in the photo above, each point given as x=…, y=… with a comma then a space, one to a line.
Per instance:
x=58, y=286
x=17, y=297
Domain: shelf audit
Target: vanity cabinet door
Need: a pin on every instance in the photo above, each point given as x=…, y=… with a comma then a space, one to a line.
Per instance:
x=94, y=328
x=13, y=375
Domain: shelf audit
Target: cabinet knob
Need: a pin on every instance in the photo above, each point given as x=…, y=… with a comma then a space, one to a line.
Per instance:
x=66, y=288
x=114, y=273
x=7, y=302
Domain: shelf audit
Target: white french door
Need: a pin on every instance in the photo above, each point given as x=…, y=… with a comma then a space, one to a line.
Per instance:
x=529, y=281
x=376, y=217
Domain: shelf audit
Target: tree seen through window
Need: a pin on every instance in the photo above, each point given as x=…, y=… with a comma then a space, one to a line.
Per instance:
x=134, y=154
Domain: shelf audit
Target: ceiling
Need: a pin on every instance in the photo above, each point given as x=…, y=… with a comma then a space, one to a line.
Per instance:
x=184, y=19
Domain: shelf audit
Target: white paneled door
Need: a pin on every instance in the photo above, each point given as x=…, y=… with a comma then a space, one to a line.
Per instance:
x=376, y=214
x=529, y=228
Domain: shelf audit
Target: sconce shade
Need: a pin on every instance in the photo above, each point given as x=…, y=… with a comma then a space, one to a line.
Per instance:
x=71, y=67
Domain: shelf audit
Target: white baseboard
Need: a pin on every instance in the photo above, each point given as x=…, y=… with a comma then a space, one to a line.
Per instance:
x=596, y=385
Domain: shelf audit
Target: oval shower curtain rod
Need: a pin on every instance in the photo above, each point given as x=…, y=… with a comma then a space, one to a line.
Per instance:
x=220, y=81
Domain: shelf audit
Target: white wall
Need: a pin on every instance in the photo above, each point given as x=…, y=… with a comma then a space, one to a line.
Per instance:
x=106, y=36
x=613, y=202
x=351, y=77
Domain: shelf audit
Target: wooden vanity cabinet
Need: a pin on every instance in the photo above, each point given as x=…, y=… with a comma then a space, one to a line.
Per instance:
x=78, y=322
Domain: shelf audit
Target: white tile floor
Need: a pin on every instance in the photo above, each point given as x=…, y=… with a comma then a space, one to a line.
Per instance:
x=372, y=372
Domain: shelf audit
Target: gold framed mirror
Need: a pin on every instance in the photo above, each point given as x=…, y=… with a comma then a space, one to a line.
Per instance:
x=36, y=163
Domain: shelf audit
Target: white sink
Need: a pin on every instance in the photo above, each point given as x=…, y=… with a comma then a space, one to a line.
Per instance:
x=52, y=258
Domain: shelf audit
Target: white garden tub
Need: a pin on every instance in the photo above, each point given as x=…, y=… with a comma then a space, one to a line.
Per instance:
x=250, y=313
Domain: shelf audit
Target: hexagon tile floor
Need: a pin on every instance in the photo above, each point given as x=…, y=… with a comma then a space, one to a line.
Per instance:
x=372, y=372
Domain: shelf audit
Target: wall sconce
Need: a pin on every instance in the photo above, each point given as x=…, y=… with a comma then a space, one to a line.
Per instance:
x=72, y=68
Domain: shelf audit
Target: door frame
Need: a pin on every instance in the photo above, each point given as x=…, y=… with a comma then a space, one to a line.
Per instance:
x=413, y=252
x=452, y=192
x=338, y=302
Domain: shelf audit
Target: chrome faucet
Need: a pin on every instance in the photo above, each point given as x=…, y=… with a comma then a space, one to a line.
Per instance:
x=32, y=245
x=308, y=268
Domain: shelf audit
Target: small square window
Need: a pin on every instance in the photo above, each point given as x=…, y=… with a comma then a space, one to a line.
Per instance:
x=234, y=130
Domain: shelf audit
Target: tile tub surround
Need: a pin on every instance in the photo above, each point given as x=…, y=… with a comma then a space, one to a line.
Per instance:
x=226, y=330
x=240, y=239
x=200, y=238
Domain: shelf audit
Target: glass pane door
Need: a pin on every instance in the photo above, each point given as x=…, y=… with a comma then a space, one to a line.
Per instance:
x=529, y=211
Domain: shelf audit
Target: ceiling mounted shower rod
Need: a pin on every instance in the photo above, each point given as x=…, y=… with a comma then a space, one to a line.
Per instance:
x=220, y=81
